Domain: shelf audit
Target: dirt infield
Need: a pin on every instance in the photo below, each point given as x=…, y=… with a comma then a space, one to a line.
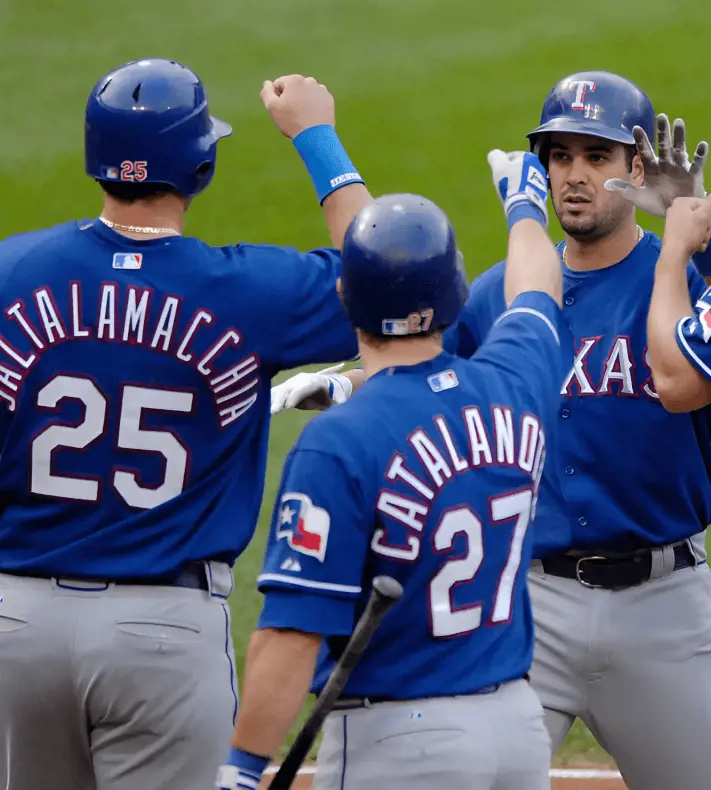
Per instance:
x=570, y=778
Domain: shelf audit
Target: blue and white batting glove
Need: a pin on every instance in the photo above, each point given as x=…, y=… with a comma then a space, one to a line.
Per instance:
x=317, y=391
x=522, y=184
x=242, y=772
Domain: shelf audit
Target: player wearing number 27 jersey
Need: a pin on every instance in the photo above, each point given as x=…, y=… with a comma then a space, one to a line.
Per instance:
x=430, y=475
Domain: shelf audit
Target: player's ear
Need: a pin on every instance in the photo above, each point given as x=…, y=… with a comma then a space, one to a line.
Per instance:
x=637, y=171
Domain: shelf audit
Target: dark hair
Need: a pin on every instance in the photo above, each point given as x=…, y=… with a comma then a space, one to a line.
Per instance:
x=377, y=341
x=131, y=191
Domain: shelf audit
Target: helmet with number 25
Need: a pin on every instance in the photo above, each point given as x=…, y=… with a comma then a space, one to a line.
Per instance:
x=148, y=121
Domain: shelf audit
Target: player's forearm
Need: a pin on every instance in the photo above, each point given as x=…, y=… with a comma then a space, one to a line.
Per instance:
x=340, y=207
x=279, y=669
x=532, y=263
x=356, y=377
x=679, y=385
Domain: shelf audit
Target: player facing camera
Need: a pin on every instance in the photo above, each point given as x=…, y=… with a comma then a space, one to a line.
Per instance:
x=403, y=279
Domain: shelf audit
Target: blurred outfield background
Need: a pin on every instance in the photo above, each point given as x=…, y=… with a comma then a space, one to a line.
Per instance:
x=423, y=88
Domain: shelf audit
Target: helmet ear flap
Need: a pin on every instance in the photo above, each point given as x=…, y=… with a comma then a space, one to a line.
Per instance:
x=203, y=176
x=541, y=147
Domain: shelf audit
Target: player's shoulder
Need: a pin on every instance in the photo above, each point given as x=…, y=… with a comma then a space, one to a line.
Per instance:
x=652, y=250
x=339, y=430
x=350, y=430
x=653, y=243
x=264, y=256
x=36, y=241
x=489, y=281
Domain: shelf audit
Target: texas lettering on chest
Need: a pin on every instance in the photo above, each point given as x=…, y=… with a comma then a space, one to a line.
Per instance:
x=501, y=440
x=132, y=316
x=620, y=373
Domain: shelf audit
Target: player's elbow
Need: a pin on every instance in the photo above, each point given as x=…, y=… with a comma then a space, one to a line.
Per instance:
x=682, y=392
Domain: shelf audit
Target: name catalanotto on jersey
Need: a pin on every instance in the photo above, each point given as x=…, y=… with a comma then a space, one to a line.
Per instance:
x=500, y=445
x=132, y=318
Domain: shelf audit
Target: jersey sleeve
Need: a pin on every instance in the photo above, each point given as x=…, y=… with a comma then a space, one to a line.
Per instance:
x=527, y=347
x=317, y=545
x=485, y=302
x=697, y=284
x=307, y=322
x=693, y=335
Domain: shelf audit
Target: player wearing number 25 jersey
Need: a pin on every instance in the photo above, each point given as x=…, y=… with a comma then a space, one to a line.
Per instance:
x=134, y=414
x=430, y=475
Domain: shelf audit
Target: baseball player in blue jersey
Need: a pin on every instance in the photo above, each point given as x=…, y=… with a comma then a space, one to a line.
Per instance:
x=430, y=474
x=620, y=588
x=135, y=366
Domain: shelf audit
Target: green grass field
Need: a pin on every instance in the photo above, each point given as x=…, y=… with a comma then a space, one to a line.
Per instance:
x=424, y=88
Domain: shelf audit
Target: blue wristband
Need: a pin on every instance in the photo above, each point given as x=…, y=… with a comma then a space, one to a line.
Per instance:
x=326, y=160
x=249, y=763
x=702, y=261
x=524, y=209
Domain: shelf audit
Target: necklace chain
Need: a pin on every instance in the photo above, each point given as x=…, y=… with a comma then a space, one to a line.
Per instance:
x=640, y=233
x=139, y=228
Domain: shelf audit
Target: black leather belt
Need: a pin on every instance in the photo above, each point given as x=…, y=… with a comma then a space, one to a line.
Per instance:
x=351, y=703
x=613, y=572
x=192, y=576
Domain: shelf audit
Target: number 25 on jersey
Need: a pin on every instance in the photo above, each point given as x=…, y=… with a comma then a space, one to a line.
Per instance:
x=132, y=404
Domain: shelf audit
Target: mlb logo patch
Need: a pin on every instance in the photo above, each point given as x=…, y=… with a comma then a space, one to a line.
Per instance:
x=110, y=173
x=304, y=525
x=446, y=380
x=128, y=260
x=395, y=326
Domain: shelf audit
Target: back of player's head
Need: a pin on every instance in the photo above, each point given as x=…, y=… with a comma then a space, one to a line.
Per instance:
x=148, y=123
x=596, y=103
x=402, y=272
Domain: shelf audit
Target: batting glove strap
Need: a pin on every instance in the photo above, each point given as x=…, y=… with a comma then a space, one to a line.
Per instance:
x=243, y=771
x=521, y=207
x=326, y=160
x=340, y=388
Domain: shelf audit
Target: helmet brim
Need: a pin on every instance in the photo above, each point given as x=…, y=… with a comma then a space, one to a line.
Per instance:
x=590, y=128
x=220, y=128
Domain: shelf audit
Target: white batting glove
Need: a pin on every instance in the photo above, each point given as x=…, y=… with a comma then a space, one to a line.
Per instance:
x=521, y=182
x=669, y=176
x=314, y=391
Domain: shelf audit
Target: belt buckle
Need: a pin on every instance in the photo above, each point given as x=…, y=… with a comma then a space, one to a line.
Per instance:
x=579, y=571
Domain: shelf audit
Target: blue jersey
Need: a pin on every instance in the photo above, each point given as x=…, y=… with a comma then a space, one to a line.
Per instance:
x=134, y=383
x=429, y=474
x=623, y=472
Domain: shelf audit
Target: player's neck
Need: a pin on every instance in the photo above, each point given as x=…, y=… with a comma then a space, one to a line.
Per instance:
x=157, y=217
x=394, y=353
x=581, y=256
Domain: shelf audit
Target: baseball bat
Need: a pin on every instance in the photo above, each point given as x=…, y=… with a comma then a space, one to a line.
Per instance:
x=386, y=592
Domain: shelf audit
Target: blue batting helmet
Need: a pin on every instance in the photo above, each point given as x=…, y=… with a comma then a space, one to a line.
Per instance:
x=148, y=121
x=402, y=272
x=596, y=103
